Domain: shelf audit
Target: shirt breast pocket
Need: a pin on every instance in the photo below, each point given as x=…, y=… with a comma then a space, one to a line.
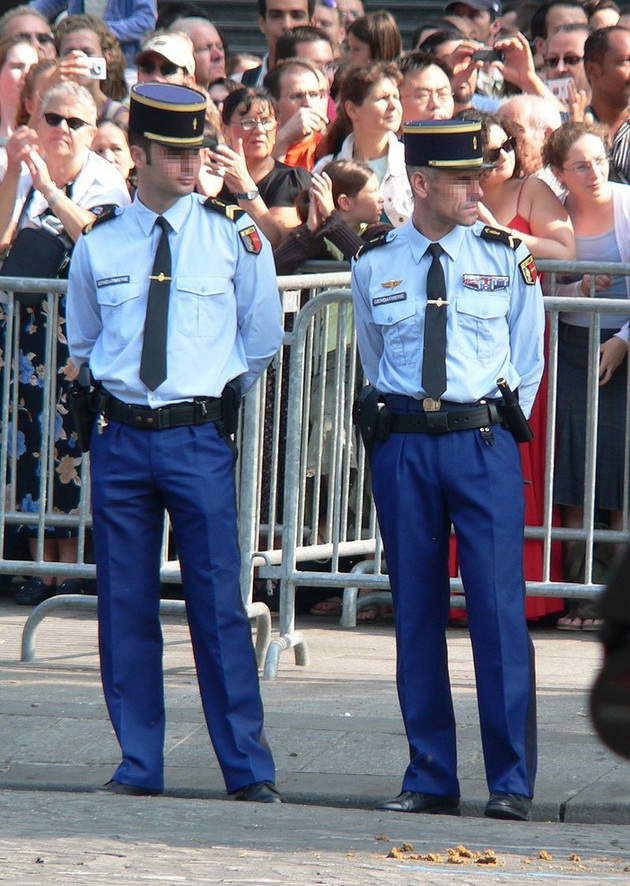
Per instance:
x=203, y=303
x=482, y=325
x=397, y=321
x=119, y=306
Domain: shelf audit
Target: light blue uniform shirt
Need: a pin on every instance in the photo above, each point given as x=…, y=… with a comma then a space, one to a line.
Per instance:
x=495, y=319
x=224, y=308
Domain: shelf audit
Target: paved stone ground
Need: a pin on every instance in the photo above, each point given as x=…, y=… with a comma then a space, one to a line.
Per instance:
x=337, y=737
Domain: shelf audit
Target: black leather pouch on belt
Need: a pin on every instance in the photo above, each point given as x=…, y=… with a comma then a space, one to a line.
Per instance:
x=230, y=406
x=370, y=417
x=513, y=416
x=82, y=402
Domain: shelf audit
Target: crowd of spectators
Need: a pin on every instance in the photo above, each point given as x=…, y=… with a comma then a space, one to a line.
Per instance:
x=306, y=139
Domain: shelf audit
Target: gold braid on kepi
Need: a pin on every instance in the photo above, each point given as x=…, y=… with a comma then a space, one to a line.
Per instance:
x=168, y=114
x=444, y=144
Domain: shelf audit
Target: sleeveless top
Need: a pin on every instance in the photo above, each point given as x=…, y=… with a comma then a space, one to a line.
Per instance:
x=519, y=222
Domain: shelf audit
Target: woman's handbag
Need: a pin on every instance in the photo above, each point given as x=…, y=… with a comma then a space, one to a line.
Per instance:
x=36, y=252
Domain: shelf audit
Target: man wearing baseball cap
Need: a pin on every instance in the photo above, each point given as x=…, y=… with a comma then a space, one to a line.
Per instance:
x=174, y=305
x=483, y=17
x=167, y=58
x=463, y=314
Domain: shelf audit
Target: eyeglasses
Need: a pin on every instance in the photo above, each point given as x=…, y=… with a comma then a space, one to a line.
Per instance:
x=313, y=95
x=570, y=60
x=585, y=167
x=166, y=69
x=43, y=39
x=250, y=123
x=493, y=154
x=438, y=95
x=73, y=122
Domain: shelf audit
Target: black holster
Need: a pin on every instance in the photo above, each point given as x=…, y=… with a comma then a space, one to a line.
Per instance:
x=230, y=406
x=371, y=417
x=82, y=398
x=513, y=416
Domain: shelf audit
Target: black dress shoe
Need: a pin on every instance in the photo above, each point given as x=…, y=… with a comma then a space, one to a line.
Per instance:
x=259, y=792
x=509, y=807
x=131, y=790
x=34, y=592
x=411, y=801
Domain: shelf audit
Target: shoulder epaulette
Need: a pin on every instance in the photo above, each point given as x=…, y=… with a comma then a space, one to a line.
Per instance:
x=108, y=215
x=229, y=210
x=372, y=244
x=499, y=236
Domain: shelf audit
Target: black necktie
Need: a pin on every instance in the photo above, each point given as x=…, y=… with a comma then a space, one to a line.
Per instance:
x=434, y=356
x=153, y=361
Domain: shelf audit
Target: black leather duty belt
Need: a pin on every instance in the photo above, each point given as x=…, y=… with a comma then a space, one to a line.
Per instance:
x=445, y=422
x=196, y=412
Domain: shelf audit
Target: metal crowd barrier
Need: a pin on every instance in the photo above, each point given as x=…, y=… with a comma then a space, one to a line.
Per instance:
x=302, y=480
x=330, y=515
x=258, y=468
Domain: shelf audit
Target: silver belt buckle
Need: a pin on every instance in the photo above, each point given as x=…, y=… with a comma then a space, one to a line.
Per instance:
x=431, y=405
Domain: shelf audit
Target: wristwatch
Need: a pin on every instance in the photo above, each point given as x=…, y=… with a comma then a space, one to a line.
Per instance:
x=249, y=195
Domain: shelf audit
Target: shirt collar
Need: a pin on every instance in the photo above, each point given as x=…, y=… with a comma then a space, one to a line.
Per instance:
x=395, y=154
x=451, y=243
x=176, y=215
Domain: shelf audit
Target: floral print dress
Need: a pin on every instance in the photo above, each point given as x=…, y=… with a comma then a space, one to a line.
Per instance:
x=64, y=454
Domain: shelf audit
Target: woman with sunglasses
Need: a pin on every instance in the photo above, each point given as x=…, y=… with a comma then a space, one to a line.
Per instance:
x=65, y=187
x=526, y=206
x=261, y=185
x=600, y=211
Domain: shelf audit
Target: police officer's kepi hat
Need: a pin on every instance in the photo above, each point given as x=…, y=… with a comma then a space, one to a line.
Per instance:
x=168, y=114
x=444, y=144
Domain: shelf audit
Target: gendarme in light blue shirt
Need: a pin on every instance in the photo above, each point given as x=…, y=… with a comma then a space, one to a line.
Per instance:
x=495, y=318
x=224, y=308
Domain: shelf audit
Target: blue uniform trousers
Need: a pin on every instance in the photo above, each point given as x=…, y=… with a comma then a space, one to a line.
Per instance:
x=421, y=484
x=136, y=474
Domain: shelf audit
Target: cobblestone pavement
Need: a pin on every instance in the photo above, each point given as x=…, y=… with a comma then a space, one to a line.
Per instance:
x=339, y=746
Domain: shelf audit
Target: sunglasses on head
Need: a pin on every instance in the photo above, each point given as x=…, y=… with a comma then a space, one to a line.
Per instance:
x=73, y=122
x=493, y=154
x=166, y=69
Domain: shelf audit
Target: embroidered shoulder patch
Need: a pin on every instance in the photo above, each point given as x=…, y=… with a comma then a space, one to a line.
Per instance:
x=250, y=238
x=229, y=210
x=499, y=236
x=108, y=215
x=372, y=244
x=528, y=270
